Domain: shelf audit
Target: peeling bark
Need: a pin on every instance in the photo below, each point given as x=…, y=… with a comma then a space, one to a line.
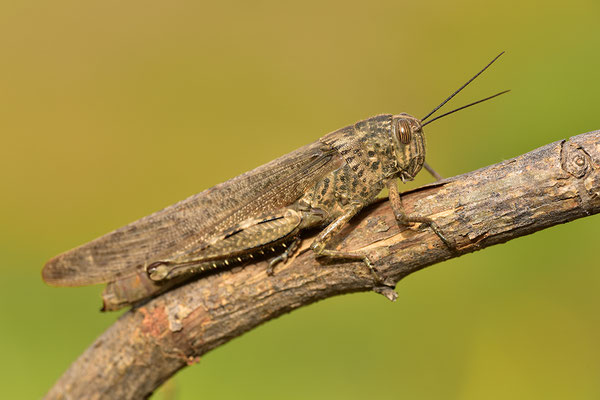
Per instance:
x=554, y=184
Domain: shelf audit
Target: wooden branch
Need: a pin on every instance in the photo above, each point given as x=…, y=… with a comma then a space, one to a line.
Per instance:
x=554, y=184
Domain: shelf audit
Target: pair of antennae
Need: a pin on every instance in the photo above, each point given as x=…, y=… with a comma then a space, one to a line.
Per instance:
x=456, y=92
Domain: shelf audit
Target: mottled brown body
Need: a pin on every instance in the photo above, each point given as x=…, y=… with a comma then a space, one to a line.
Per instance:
x=323, y=184
x=260, y=212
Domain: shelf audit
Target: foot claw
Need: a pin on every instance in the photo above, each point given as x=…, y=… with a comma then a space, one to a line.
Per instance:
x=283, y=257
x=271, y=267
x=387, y=291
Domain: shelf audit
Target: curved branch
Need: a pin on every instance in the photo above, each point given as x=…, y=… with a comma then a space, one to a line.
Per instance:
x=554, y=184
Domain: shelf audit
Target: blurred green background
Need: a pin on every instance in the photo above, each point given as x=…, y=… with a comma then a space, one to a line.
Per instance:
x=111, y=110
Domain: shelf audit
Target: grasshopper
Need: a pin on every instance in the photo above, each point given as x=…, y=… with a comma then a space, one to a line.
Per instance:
x=323, y=184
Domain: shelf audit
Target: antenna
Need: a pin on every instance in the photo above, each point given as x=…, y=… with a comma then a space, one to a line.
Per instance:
x=461, y=88
x=463, y=107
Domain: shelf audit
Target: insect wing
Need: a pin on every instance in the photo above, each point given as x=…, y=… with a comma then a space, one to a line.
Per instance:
x=193, y=221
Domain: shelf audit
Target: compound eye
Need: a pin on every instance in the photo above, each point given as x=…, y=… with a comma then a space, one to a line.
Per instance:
x=403, y=131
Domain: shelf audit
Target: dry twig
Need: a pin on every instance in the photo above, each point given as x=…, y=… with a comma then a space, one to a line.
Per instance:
x=554, y=184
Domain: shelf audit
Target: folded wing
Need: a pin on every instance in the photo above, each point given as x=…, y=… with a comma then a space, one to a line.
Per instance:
x=193, y=221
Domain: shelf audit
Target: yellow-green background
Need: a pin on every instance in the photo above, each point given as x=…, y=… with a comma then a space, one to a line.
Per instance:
x=110, y=110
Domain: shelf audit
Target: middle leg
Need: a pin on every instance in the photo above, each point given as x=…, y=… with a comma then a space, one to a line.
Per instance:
x=319, y=246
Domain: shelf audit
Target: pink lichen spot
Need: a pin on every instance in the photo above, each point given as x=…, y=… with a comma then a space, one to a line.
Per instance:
x=191, y=360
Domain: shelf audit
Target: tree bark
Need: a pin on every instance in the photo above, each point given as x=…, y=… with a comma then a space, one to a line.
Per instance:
x=554, y=184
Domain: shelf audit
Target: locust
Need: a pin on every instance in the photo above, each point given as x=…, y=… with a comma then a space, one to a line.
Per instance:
x=260, y=213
